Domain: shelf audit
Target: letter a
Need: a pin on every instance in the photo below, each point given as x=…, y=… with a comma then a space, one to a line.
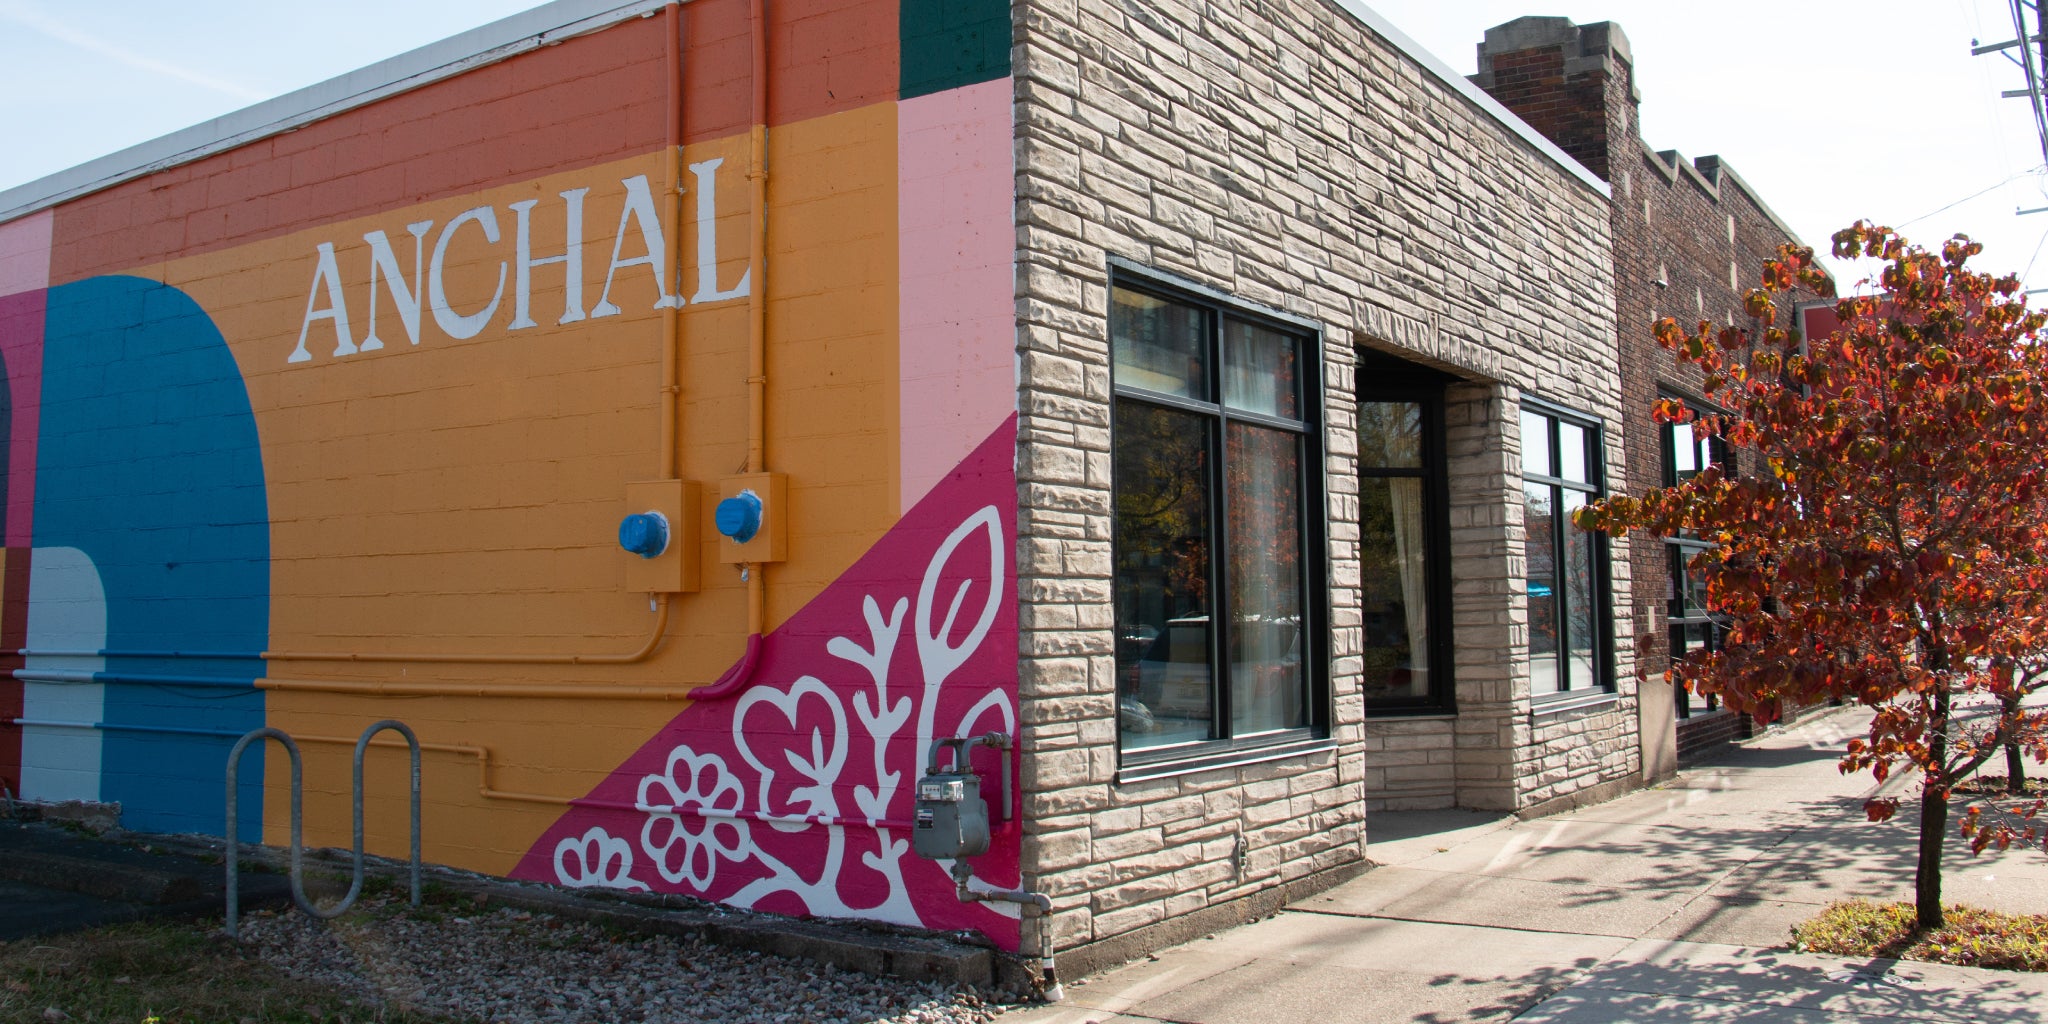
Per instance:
x=639, y=207
x=337, y=308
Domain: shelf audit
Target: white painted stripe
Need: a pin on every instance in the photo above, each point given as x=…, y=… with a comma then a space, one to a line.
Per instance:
x=517, y=34
x=67, y=609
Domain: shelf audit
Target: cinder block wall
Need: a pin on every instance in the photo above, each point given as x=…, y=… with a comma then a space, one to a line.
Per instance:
x=1282, y=153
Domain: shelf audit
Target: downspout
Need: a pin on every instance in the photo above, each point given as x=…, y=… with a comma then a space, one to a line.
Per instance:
x=741, y=675
x=670, y=458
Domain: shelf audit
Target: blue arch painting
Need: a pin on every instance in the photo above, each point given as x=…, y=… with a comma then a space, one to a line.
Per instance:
x=148, y=461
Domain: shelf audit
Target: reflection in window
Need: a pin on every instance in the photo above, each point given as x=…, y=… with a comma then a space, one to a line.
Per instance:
x=1162, y=572
x=1541, y=524
x=1565, y=591
x=1212, y=569
x=1159, y=345
x=1390, y=435
x=1264, y=540
x=1397, y=567
x=1258, y=370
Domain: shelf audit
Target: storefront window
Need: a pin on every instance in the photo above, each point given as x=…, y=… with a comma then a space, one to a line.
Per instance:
x=1565, y=584
x=1216, y=522
x=1402, y=557
x=1690, y=627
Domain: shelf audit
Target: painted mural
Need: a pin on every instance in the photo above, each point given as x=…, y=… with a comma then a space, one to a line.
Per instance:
x=339, y=426
x=796, y=795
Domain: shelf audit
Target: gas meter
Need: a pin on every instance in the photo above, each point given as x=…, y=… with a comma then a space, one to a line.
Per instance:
x=952, y=818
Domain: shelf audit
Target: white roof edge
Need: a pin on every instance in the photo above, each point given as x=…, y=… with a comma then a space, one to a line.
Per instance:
x=1434, y=65
x=486, y=44
x=517, y=34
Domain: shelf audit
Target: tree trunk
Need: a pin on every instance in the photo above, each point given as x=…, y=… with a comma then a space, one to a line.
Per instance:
x=1934, y=792
x=2015, y=765
x=1927, y=877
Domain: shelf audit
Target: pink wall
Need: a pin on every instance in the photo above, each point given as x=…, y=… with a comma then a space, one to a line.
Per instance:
x=958, y=277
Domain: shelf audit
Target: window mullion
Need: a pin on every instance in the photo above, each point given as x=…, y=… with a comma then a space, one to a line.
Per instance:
x=1561, y=578
x=1220, y=547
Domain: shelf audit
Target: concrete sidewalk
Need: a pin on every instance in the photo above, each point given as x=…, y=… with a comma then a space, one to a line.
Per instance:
x=1671, y=904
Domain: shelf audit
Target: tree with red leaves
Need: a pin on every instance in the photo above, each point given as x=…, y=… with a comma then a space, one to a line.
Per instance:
x=1893, y=551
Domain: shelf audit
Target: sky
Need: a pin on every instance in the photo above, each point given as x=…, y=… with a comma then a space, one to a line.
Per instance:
x=1832, y=111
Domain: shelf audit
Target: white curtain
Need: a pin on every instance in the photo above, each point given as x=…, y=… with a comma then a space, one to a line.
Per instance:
x=1409, y=552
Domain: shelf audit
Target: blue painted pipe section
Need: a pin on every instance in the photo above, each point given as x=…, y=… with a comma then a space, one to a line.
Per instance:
x=161, y=730
x=33, y=675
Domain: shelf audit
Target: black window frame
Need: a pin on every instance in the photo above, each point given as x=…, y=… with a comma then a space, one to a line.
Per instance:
x=1602, y=600
x=1228, y=751
x=1680, y=617
x=1383, y=378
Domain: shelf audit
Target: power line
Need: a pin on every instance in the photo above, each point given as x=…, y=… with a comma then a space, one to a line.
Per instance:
x=2036, y=256
x=1973, y=195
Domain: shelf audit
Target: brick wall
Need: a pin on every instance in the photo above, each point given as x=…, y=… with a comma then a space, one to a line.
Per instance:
x=1279, y=152
x=1690, y=238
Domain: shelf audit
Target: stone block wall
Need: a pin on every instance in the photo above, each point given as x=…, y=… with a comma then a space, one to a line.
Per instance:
x=1284, y=154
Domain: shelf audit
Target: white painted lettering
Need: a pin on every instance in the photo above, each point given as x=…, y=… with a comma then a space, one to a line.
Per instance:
x=406, y=298
x=394, y=286
x=458, y=326
x=571, y=258
x=706, y=174
x=336, y=311
x=639, y=208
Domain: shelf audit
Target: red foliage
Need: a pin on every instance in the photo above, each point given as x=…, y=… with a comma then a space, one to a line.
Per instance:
x=1894, y=551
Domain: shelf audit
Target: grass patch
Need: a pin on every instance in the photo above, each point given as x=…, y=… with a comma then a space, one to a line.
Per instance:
x=1993, y=786
x=1970, y=938
x=165, y=973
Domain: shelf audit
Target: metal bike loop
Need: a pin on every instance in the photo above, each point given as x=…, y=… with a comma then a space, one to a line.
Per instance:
x=298, y=887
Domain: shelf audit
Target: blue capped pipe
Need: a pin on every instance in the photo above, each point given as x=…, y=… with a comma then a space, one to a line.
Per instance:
x=739, y=516
x=644, y=534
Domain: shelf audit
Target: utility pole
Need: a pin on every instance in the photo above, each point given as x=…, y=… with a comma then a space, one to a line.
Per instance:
x=2029, y=50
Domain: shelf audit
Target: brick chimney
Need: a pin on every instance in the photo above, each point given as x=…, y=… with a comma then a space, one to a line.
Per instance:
x=1573, y=83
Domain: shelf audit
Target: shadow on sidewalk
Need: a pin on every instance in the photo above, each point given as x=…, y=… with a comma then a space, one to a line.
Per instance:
x=1676, y=990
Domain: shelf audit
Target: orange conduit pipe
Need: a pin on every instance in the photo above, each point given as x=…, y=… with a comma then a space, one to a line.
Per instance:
x=654, y=636
x=537, y=691
x=741, y=675
x=670, y=456
x=483, y=765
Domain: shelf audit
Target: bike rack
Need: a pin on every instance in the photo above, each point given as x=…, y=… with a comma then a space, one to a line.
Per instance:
x=298, y=886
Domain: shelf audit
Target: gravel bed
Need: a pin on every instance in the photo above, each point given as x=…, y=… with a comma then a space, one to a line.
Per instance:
x=500, y=964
